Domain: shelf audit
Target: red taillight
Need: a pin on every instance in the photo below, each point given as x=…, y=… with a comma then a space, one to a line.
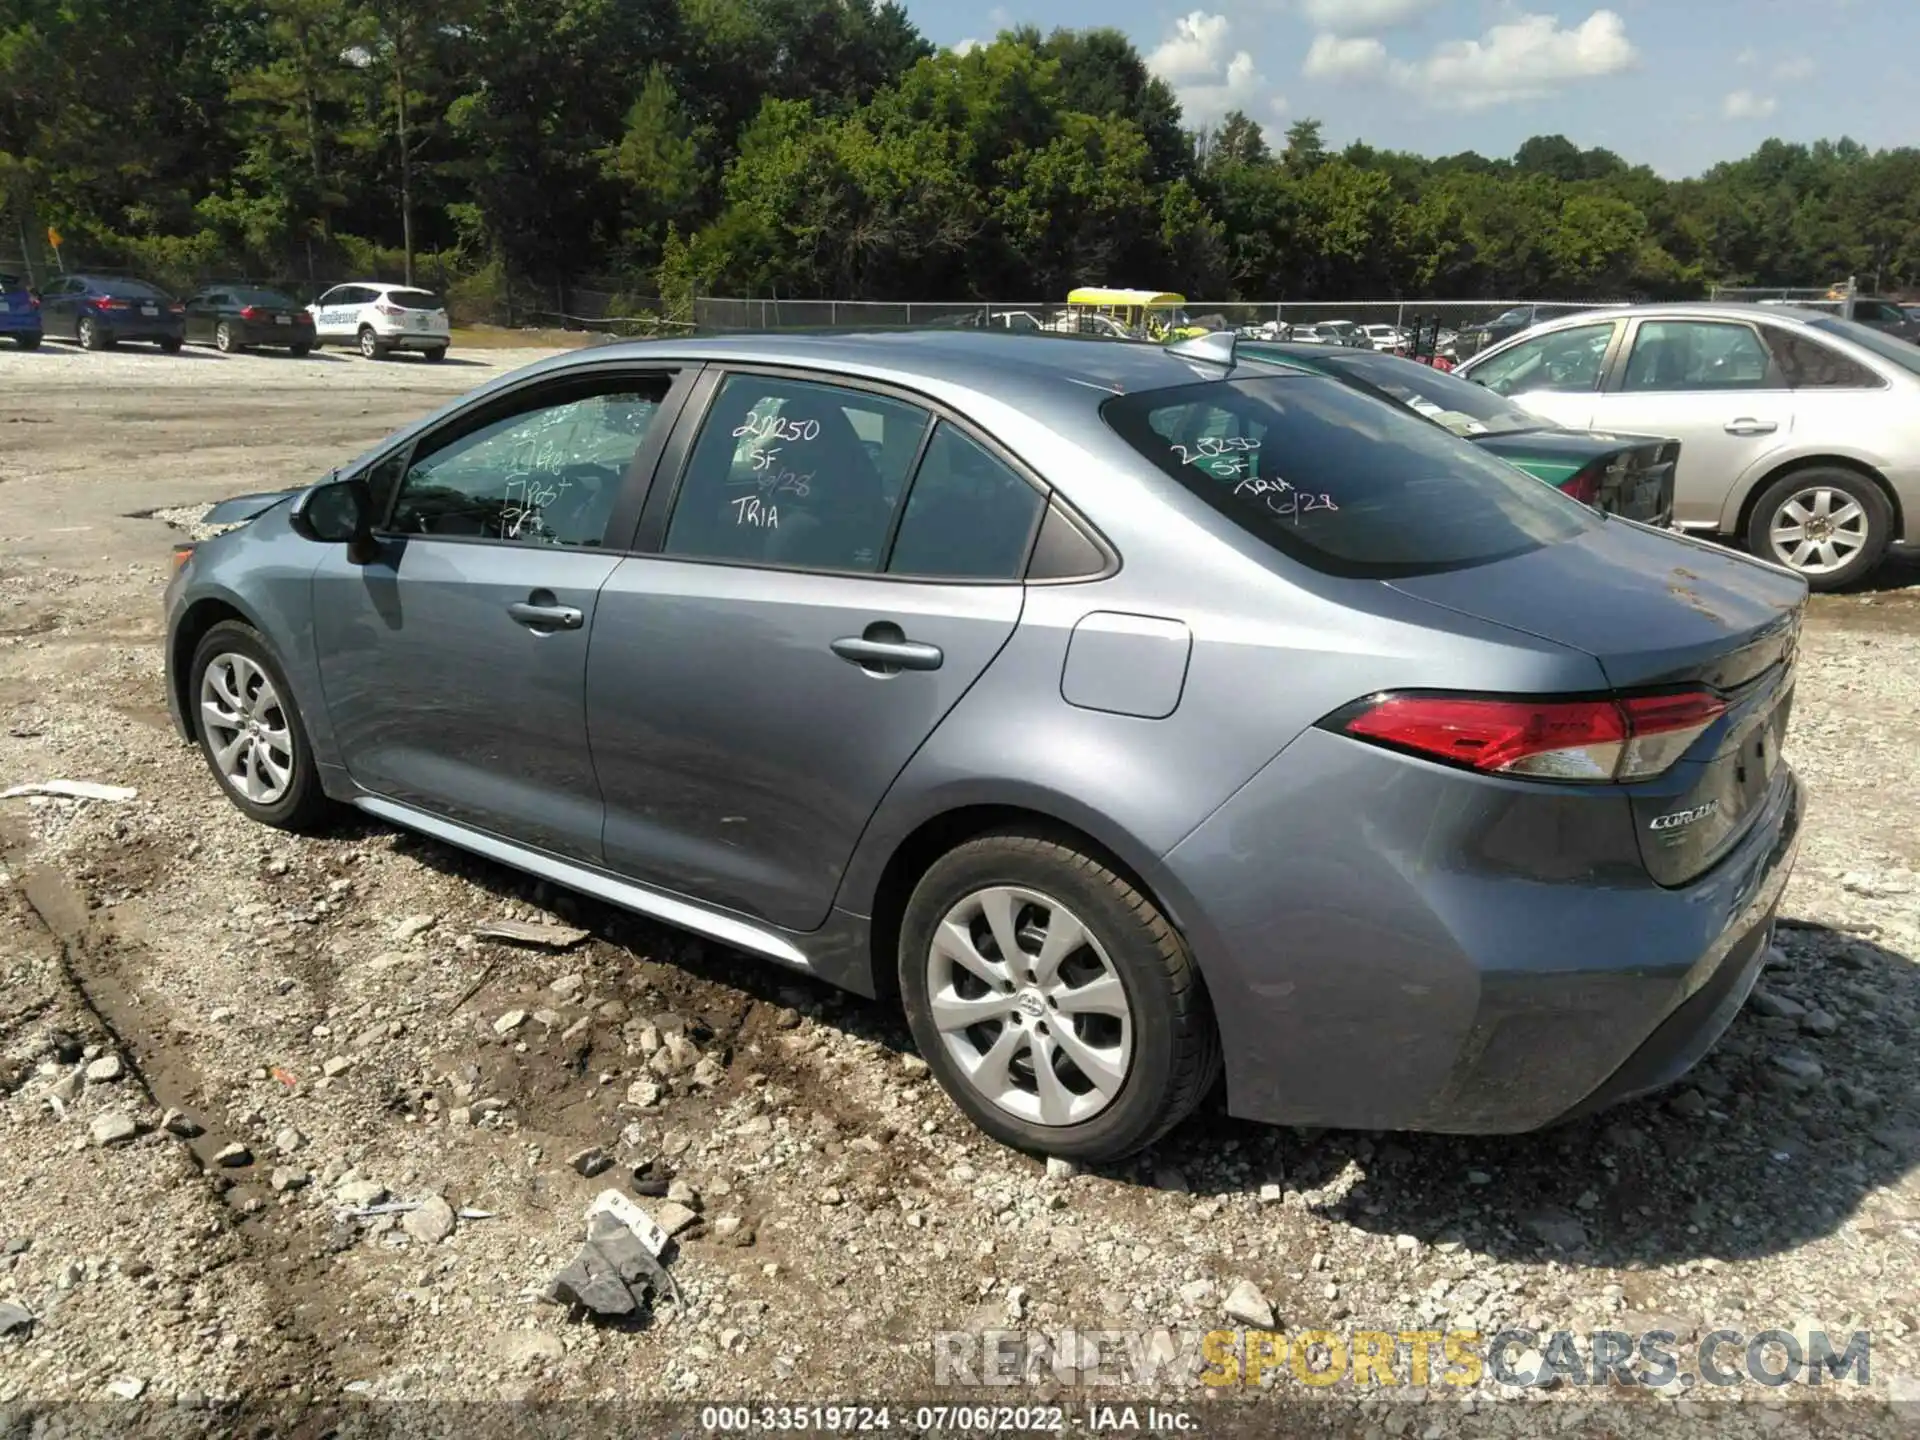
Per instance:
x=385, y=309
x=1585, y=486
x=252, y=312
x=107, y=302
x=33, y=302
x=1627, y=738
x=176, y=308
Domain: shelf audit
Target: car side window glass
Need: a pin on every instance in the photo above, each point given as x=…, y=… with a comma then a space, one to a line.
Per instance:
x=791, y=472
x=1563, y=360
x=1696, y=355
x=969, y=516
x=1809, y=365
x=548, y=476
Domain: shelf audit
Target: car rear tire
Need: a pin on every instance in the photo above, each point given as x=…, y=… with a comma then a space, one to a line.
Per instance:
x=27, y=342
x=371, y=345
x=90, y=335
x=250, y=731
x=438, y=352
x=224, y=341
x=1827, y=525
x=299, y=351
x=1096, y=1040
x=171, y=346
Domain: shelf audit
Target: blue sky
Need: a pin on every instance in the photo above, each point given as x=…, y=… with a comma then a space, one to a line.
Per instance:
x=1675, y=84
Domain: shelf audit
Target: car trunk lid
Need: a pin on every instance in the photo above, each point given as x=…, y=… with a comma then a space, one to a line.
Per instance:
x=1626, y=475
x=1657, y=612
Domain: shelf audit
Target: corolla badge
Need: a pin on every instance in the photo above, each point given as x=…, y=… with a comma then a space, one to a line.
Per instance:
x=1680, y=819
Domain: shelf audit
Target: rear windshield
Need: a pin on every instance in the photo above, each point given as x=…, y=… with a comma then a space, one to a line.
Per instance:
x=132, y=289
x=1340, y=481
x=1903, y=353
x=1460, y=405
x=271, y=298
x=11, y=282
x=415, y=299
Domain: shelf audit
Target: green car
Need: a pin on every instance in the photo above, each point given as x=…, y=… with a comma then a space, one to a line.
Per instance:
x=1626, y=475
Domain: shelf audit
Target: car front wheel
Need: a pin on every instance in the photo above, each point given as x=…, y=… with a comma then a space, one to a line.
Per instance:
x=1830, y=526
x=250, y=730
x=1053, y=1000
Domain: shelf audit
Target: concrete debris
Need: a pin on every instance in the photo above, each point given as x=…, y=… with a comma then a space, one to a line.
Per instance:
x=127, y=1387
x=107, y=1068
x=618, y=1270
x=233, y=1156
x=509, y=1022
x=544, y=934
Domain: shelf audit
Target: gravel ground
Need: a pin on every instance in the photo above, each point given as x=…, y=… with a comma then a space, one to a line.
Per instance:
x=325, y=1005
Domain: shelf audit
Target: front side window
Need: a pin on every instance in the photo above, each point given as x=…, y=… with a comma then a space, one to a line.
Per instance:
x=1338, y=480
x=1696, y=355
x=968, y=516
x=795, y=473
x=1561, y=360
x=549, y=476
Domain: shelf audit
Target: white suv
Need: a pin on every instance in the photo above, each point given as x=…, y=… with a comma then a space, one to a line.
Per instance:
x=382, y=318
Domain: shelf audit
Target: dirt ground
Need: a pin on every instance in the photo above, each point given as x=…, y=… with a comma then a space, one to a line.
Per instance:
x=325, y=1004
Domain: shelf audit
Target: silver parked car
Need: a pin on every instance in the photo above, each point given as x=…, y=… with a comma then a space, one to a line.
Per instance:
x=1799, y=431
x=1123, y=710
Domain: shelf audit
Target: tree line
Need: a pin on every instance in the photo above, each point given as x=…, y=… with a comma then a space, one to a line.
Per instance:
x=823, y=148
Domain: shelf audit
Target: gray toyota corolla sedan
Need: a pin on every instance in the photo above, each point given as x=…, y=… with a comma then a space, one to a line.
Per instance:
x=1126, y=711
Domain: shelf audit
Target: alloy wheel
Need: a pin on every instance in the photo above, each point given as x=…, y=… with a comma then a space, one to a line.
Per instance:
x=1818, y=530
x=1029, y=1006
x=248, y=731
x=223, y=337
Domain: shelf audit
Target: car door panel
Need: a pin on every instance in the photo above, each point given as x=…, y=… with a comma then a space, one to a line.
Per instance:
x=739, y=754
x=440, y=698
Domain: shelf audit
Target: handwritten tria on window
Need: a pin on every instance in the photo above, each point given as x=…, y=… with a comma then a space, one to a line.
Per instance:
x=1282, y=499
x=751, y=510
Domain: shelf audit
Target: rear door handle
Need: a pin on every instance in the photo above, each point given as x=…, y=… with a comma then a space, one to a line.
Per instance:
x=1751, y=427
x=545, y=617
x=886, y=656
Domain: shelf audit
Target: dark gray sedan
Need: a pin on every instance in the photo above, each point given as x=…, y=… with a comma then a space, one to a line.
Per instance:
x=1124, y=711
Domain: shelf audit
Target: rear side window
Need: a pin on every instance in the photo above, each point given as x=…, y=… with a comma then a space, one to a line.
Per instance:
x=1696, y=355
x=1809, y=365
x=795, y=473
x=1342, y=482
x=1887, y=347
x=968, y=516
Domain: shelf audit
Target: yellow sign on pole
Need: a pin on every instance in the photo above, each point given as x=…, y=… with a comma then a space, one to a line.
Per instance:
x=53, y=237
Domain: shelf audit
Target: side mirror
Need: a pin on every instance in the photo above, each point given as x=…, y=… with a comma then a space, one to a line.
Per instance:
x=339, y=512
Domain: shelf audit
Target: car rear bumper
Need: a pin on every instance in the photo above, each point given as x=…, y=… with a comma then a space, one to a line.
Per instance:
x=1430, y=950
x=24, y=322
x=414, y=339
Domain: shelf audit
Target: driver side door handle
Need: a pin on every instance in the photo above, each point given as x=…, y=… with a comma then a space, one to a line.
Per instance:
x=1745, y=426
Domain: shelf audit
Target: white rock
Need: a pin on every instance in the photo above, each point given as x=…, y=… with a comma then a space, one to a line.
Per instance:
x=112, y=1128
x=431, y=1223
x=127, y=1387
x=336, y=1065
x=1060, y=1168
x=509, y=1022
x=104, y=1070
x=1248, y=1306
x=414, y=926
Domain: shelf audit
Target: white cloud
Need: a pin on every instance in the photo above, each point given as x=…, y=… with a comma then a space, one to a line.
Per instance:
x=1745, y=105
x=1799, y=68
x=1362, y=17
x=1748, y=56
x=1334, y=58
x=1209, y=75
x=1528, y=58
x=966, y=47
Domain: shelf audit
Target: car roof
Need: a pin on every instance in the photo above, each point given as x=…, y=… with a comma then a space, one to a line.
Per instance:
x=1028, y=371
x=1685, y=310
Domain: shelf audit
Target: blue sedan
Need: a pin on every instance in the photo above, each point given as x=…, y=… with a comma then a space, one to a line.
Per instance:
x=19, y=312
